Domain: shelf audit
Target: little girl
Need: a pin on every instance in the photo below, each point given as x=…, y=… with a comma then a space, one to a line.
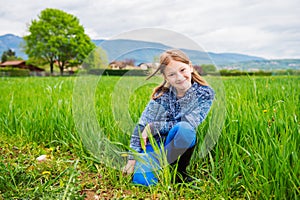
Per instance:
x=172, y=116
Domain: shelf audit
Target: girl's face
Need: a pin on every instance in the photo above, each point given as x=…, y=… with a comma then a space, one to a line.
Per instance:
x=179, y=75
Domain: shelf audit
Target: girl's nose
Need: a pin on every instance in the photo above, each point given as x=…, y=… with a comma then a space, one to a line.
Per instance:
x=180, y=76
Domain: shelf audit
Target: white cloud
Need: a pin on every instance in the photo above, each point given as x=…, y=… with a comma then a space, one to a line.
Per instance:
x=256, y=27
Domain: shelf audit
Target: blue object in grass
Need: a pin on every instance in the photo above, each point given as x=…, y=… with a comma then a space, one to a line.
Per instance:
x=146, y=168
x=181, y=137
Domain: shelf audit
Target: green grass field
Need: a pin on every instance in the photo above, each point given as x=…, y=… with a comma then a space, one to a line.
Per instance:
x=256, y=155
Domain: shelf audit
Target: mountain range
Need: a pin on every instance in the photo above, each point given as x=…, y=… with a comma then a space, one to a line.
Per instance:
x=143, y=51
x=139, y=51
x=147, y=52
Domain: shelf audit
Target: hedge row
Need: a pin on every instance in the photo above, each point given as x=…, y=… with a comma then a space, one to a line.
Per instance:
x=244, y=73
x=256, y=73
x=111, y=72
x=14, y=72
x=125, y=72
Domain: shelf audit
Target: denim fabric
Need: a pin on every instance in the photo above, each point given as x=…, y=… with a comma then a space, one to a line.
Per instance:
x=181, y=137
x=146, y=168
x=183, y=134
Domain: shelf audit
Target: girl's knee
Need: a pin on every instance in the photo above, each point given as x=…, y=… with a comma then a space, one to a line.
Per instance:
x=185, y=136
x=185, y=128
x=184, y=125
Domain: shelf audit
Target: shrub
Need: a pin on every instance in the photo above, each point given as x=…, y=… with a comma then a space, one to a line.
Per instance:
x=111, y=72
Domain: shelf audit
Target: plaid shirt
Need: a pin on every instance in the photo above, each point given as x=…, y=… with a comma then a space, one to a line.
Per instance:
x=164, y=112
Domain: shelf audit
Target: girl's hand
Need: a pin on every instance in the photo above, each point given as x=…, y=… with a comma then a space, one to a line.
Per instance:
x=129, y=168
x=145, y=133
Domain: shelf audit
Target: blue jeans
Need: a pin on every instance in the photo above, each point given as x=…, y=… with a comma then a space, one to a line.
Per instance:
x=180, y=138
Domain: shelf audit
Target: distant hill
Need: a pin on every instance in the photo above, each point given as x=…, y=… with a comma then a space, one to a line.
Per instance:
x=10, y=41
x=140, y=51
x=255, y=65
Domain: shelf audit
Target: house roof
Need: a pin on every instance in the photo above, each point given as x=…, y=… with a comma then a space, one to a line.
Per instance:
x=21, y=64
x=13, y=63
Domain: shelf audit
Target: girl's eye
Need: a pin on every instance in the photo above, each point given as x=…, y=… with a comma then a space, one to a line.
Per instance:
x=171, y=74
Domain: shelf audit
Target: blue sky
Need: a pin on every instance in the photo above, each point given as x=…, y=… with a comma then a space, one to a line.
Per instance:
x=265, y=28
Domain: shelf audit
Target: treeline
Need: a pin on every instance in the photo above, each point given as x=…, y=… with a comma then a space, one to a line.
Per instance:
x=110, y=72
x=127, y=72
x=225, y=72
x=14, y=72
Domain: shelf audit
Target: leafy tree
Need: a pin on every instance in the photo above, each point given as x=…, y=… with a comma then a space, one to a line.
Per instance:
x=57, y=37
x=209, y=68
x=9, y=55
x=96, y=59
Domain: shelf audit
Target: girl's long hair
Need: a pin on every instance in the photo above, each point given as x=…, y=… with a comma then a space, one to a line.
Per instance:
x=165, y=59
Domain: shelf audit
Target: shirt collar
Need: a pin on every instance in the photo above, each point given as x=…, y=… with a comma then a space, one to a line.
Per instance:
x=173, y=91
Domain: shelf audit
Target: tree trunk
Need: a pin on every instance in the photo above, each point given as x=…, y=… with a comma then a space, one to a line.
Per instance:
x=61, y=70
x=51, y=67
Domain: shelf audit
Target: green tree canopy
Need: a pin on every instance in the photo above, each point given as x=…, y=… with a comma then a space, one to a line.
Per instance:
x=9, y=55
x=57, y=37
x=96, y=59
x=209, y=68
